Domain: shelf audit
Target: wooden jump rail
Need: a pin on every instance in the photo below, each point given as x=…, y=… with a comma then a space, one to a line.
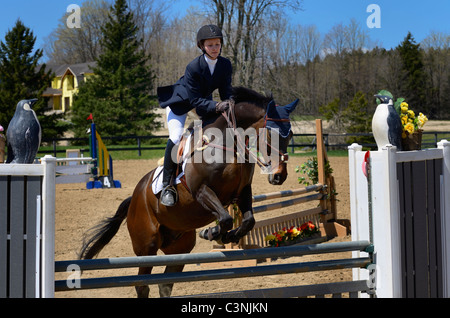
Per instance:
x=256, y=237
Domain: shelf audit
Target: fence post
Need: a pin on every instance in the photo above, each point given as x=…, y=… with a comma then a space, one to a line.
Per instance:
x=445, y=215
x=385, y=217
x=386, y=222
x=48, y=228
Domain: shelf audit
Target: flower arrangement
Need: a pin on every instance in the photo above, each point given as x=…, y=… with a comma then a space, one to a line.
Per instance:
x=410, y=122
x=291, y=235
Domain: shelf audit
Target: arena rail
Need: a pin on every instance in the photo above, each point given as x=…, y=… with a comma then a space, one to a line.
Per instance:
x=230, y=273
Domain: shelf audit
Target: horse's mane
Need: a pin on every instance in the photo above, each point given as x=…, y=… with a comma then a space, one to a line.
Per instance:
x=243, y=94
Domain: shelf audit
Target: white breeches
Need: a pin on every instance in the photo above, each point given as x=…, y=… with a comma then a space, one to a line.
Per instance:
x=175, y=124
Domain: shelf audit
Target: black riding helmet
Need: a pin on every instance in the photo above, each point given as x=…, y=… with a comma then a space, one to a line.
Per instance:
x=206, y=32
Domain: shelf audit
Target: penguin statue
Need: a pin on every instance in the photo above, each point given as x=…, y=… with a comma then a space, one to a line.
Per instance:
x=23, y=135
x=386, y=124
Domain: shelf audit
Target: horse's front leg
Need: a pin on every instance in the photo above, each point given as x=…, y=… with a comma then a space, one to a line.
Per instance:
x=248, y=221
x=209, y=200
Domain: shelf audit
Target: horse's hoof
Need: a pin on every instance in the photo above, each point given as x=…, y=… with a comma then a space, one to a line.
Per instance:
x=210, y=234
x=231, y=237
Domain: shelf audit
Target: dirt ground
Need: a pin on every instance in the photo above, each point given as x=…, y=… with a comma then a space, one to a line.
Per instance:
x=79, y=209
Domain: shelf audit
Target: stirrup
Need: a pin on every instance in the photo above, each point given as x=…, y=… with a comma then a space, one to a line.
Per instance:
x=169, y=196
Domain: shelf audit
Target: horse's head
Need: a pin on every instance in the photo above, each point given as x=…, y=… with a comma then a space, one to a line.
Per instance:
x=278, y=134
x=255, y=111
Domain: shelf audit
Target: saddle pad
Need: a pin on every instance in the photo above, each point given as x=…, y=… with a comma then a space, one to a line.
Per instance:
x=157, y=184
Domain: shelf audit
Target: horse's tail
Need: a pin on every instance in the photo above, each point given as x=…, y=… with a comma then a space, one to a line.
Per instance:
x=101, y=234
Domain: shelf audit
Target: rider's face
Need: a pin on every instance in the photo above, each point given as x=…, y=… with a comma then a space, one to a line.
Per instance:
x=212, y=47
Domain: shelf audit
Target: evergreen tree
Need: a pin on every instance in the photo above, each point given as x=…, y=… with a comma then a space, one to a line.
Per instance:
x=21, y=77
x=413, y=78
x=358, y=119
x=118, y=94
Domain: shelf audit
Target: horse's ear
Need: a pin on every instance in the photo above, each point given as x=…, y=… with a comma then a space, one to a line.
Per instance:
x=290, y=107
x=271, y=110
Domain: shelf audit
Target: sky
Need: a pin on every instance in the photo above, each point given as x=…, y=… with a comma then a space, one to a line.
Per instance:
x=396, y=17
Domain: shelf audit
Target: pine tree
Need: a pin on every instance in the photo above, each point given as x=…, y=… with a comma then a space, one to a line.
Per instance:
x=21, y=77
x=118, y=94
x=413, y=79
x=358, y=119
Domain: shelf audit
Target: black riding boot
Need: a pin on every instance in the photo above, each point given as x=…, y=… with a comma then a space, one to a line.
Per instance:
x=169, y=195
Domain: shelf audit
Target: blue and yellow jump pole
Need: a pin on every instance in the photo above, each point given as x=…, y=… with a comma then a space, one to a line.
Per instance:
x=102, y=171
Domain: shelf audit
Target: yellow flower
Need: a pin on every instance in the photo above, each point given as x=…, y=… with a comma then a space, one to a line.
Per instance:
x=409, y=127
x=421, y=120
x=411, y=114
x=281, y=232
x=270, y=237
x=404, y=107
x=404, y=119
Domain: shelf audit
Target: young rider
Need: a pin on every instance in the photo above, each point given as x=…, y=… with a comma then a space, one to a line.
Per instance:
x=203, y=75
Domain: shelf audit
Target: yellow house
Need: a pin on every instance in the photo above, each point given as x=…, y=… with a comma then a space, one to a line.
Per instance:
x=65, y=84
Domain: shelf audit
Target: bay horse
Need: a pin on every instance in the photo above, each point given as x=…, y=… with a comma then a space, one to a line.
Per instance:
x=208, y=189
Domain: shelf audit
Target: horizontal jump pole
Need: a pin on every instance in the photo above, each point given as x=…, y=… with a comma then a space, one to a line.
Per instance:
x=287, y=193
x=75, y=159
x=206, y=275
x=283, y=204
x=337, y=288
x=211, y=257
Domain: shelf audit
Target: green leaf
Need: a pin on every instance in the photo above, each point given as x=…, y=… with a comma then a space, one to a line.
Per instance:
x=397, y=105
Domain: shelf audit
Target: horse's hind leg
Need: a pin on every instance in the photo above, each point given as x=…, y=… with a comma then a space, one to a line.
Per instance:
x=183, y=244
x=144, y=235
x=143, y=291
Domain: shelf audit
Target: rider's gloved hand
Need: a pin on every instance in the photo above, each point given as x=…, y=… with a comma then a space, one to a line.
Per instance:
x=223, y=106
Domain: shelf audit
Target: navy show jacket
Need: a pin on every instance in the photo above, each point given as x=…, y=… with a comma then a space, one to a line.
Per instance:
x=195, y=88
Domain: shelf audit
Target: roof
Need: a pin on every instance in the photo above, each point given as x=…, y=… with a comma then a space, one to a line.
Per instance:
x=76, y=69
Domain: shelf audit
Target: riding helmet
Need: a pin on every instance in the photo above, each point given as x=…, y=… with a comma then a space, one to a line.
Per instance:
x=209, y=31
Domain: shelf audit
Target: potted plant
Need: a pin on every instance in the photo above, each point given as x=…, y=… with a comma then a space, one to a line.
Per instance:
x=412, y=126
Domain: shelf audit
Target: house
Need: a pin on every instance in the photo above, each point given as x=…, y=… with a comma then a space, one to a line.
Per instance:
x=65, y=84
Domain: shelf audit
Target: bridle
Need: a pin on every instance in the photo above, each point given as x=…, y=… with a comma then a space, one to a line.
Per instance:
x=242, y=149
